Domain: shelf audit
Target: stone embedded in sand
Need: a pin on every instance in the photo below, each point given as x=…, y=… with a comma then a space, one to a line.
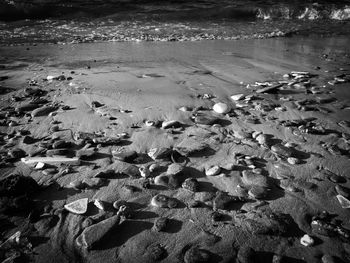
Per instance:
x=222, y=200
x=191, y=184
x=212, y=170
x=93, y=235
x=258, y=192
x=159, y=153
x=77, y=184
x=237, y=97
x=155, y=252
x=99, y=204
x=307, y=241
x=17, y=153
x=221, y=108
x=328, y=259
x=341, y=190
x=196, y=255
x=282, y=150
x=127, y=156
x=16, y=184
x=189, y=146
x=160, y=224
x=171, y=124
x=78, y=207
x=42, y=111
x=250, y=178
x=162, y=180
x=293, y=160
x=205, y=120
x=344, y=202
x=163, y=201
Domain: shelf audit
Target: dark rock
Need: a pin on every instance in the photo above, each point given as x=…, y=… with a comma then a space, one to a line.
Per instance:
x=174, y=181
x=223, y=200
x=206, y=120
x=246, y=254
x=15, y=185
x=160, y=224
x=53, y=152
x=92, y=236
x=344, y=191
x=251, y=179
x=28, y=140
x=159, y=153
x=17, y=153
x=336, y=178
x=155, y=252
x=194, y=204
x=258, y=192
x=60, y=144
x=196, y=255
x=108, y=173
x=42, y=111
x=96, y=104
x=191, y=184
x=216, y=216
x=127, y=156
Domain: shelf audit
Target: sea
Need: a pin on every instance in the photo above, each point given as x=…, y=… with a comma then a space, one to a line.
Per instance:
x=79, y=21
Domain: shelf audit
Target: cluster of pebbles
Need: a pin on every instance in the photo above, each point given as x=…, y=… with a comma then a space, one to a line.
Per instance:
x=251, y=180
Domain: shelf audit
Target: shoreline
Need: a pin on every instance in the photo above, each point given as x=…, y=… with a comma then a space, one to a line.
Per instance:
x=261, y=203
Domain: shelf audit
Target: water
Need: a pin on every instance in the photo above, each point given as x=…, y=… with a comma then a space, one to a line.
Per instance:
x=75, y=21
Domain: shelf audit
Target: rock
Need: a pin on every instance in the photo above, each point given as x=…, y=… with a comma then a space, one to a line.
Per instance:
x=144, y=171
x=196, y=255
x=42, y=111
x=56, y=152
x=191, y=184
x=160, y=224
x=216, y=216
x=171, y=124
x=78, y=207
x=258, y=192
x=205, y=120
x=161, y=179
x=328, y=259
x=108, y=173
x=100, y=204
x=344, y=202
x=344, y=191
x=250, y=178
x=223, y=200
x=15, y=185
x=155, y=252
x=85, y=152
x=307, y=241
x=175, y=169
x=17, y=153
x=96, y=104
x=93, y=235
x=159, y=153
x=336, y=178
x=94, y=182
x=26, y=107
x=246, y=254
x=77, y=184
x=194, y=204
x=120, y=203
x=154, y=167
x=191, y=145
x=175, y=181
x=282, y=150
x=131, y=171
x=163, y=201
x=263, y=139
x=28, y=139
x=293, y=160
x=185, y=109
x=221, y=108
x=60, y=144
x=127, y=156
x=237, y=97
x=212, y=170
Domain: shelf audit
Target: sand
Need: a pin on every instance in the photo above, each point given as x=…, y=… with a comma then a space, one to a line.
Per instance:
x=139, y=82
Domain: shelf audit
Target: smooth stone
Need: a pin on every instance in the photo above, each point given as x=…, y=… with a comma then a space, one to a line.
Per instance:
x=344, y=202
x=162, y=180
x=258, y=192
x=171, y=124
x=250, y=178
x=307, y=241
x=175, y=169
x=159, y=153
x=221, y=108
x=196, y=255
x=160, y=224
x=205, y=120
x=78, y=207
x=92, y=235
x=237, y=97
x=191, y=184
x=282, y=150
x=213, y=170
x=163, y=201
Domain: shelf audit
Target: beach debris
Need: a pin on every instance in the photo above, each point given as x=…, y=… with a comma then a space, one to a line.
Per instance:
x=307, y=241
x=78, y=207
x=221, y=108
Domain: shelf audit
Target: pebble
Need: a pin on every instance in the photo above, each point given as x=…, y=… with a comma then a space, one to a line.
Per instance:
x=161, y=179
x=159, y=153
x=293, y=160
x=160, y=224
x=328, y=259
x=191, y=184
x=213, y=170
x=341, y=190
x=196, y=255
x=78, y=207
x=160, y=200
x=144, y=171
x=100, y=204
x=258, y=192
x=281, y=150
x=127, y=156
x=344, y=202
x=155, y=252
x=221, y=108
x=237, y=97
x=307, y=241
x=77, y=184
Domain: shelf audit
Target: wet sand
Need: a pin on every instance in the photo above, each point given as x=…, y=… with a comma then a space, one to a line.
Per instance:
x=139, y=82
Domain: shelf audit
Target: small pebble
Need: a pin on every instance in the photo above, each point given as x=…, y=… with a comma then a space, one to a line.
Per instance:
x=307, y=241
x=160, y=224
x=293, y=160
x=221, y=108
x=213, y=170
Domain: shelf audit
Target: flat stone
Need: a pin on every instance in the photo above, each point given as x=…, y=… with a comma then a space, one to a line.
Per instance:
x=258, y=192
x=189, y=146
x=221, y=108
x=237, y=97
x=93, y=235
x=159, y=153
x=282, y=150
x=171, y=124
x=78, y=207
x=127, y=156
x=344, y=202
x=205, y=120
x=250, y=178
x=43, y=111
x=196, y=255
x=162, y=180
x=175, y=169
x=61, y=144
x=341, y=190
x=160, y=224
x=213, y=170
x=163, y=201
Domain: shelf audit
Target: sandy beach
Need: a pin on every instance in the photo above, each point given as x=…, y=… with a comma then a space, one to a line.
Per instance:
x=210, y=151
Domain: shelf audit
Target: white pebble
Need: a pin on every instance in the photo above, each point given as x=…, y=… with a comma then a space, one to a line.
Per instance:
x=307, y=241
x=213, y=170
x=221, y=108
